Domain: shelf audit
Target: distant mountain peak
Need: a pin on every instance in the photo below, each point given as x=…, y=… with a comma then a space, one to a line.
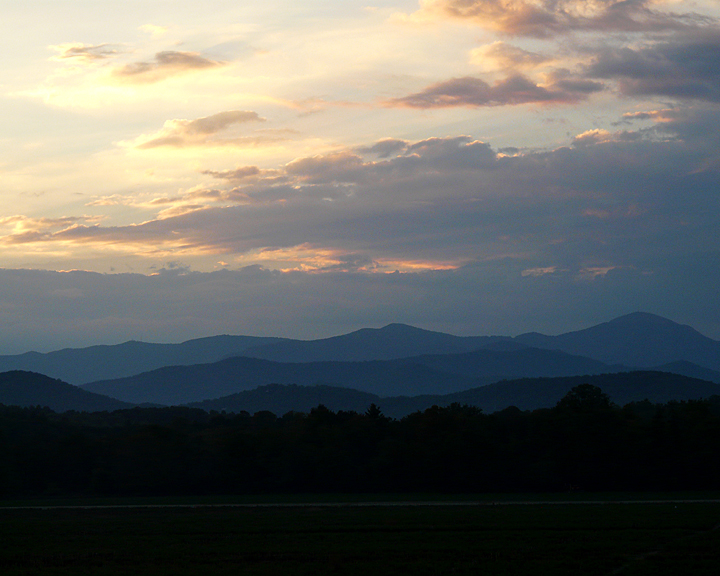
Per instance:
x=643, y=317
x=649, y=323
x=636, y=339
x=399, y=327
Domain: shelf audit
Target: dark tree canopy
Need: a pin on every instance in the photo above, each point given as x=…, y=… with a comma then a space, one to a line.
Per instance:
x=584, y=443
x=585, y=398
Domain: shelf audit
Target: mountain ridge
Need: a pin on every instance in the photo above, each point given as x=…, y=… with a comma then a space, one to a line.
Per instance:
x=22, y=388
x=638, y=340
x=82, y=365
x=524, y=394
x=430, y=374
x=30, y=389
x=392, y=341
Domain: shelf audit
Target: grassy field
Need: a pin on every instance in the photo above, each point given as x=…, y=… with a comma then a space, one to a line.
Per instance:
x=538, y=539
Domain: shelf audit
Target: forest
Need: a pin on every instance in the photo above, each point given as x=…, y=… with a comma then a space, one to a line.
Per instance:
x=584, y=443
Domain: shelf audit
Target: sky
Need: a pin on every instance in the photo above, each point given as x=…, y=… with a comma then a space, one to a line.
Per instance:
x=173, y=170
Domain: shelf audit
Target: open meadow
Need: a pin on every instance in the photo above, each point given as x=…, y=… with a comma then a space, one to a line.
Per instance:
x=491, y=538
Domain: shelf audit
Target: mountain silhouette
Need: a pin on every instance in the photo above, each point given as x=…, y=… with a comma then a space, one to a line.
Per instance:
x=390, y=342
x=83, y=365
x=183, y=384
x=621, y=387
x=524, y=394
x=429, y=374
x=500, y=361
x=686, y=368
x=283, y=398
x=21, y=388
x=638, y=339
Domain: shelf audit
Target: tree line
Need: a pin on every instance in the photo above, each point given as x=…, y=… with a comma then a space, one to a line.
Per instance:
x=583, y=443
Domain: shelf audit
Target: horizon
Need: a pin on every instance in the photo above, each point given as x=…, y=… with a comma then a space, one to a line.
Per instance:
x=378, y=328
x=306, y=170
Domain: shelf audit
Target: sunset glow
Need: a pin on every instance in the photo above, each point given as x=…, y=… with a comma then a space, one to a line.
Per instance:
x=546, y=164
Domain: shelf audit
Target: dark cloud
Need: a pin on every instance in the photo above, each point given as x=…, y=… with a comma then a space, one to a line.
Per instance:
x=685, y=68
x=548, y=18
x=514, y=90
x=339, y=167
x=566, y=81
x=385, y=147
x=456, y=153
x=165, y=64
x=629, y=116
x=453, y=199
x=681, y=63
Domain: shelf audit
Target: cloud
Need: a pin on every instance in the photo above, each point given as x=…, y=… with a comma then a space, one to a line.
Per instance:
x=113, y=200
x=25, y=230
x=85, y=52
x=683, y=68
x=164, y=65
x=503, y=56
x=514, y=90
x=201, y=131
x=597, y=136
x=246, y=175
x=549, y=18
x=205, y=220
x=541, y=240
x=314, y=259
x=338, y=167
x=610, y=205
x=238, y=174
x=666, y=115
x=385, y=147
x=676, y=59
x=536, y=272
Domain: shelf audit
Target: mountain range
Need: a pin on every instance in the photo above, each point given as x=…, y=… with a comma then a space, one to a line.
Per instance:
x=524, y=394
x=394, y=361
x=82, y=365
x=429, y=374
x=31, y=389
x=635, y=340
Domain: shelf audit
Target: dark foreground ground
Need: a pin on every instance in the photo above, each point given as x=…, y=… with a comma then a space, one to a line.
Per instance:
x=531, y=538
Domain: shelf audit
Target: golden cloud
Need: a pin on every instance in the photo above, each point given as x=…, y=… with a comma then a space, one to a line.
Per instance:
x=199, y=132
x=165, y=64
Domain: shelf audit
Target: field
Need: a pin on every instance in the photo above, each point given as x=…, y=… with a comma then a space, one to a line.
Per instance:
x=468, y=538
